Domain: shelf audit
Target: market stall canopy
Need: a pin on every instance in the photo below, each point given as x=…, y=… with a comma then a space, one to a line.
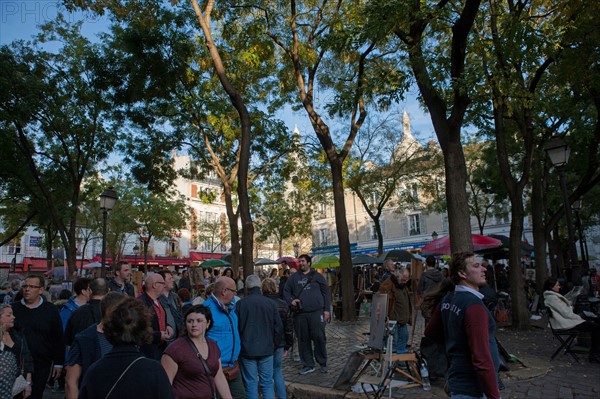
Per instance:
x=265, y=261
x=441, y=246
x=366, y=260
x=501, y=252
x=215, y=263
x=93, y=265
x=397, y=255
x=326, y=262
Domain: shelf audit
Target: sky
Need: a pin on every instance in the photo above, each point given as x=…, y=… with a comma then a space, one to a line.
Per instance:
x=19, y=20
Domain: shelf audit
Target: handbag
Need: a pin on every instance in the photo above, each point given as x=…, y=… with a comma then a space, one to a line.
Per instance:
x=206, y=369
x=19, y=385
x=231, y=372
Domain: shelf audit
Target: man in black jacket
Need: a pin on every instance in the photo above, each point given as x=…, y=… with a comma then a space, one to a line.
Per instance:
x=87, y=314
x=307, y=293
x=260, y=326
x=42, y=327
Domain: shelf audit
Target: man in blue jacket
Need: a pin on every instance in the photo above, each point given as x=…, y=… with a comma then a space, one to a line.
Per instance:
x=307, y=293
x=224, y=332
x=259, y=327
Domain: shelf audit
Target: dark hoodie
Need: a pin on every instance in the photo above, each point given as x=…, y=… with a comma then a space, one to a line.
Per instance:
x=429, y=280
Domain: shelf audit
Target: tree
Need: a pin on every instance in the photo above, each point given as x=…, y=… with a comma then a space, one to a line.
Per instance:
x=485, y=189
x=201, y=92
x=333, y=71
x=436, y=37
x=157, y=216
x=382, y=162
x=56, y=118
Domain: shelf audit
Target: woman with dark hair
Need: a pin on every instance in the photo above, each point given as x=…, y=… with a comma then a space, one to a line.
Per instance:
x=192, y=362
x=124, y=372
x=228, y=272
x=563, y=316
x=15, y=358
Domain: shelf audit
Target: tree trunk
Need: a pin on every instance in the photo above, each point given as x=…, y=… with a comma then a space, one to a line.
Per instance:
x=341, y=224
x=537, y=222
x=235, y=233
x=457, y=202
x=377, y=222
x=520, y=314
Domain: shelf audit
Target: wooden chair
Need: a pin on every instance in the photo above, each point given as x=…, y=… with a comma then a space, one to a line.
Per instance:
x=566, y=338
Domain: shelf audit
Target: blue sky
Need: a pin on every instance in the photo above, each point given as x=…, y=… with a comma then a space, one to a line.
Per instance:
x=19, y=20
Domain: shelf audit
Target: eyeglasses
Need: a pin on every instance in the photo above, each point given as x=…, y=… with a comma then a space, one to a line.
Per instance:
x=31, y=286
x=232, y=290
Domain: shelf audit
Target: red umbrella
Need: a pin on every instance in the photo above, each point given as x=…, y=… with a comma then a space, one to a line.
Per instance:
x=441, y=246
x=289, y=260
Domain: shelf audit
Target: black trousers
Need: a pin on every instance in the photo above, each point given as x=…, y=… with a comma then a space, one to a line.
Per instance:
x=41, y=372
x=310, y=328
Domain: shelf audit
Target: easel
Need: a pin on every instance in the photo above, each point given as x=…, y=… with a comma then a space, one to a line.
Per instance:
x=389, y=364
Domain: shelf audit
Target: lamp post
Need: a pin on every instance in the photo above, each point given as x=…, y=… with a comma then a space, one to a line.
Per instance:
x=136, y=248
x=434, y=236
x=296, y=250
x=584, y=260
x=559, y=151
x=108, y=199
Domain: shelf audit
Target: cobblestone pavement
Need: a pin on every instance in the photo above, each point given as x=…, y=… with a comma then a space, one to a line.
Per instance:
x=561, y=378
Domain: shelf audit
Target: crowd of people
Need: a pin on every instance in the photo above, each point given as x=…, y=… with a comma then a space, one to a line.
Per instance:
x=105, y=340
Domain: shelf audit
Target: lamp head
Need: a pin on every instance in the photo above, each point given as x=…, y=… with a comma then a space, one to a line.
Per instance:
x=108, y=199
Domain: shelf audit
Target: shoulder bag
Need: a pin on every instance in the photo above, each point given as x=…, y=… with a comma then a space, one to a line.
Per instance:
x=121, y=376
x=206, y=369
x=298, y=308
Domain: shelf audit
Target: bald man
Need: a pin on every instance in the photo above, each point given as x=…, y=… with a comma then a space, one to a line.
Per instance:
x=161, y=331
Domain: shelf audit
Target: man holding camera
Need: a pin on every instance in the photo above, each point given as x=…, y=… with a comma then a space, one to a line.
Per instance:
x=307, y=293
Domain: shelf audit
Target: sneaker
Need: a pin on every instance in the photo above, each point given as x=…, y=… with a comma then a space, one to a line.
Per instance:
x=324, y=369
x=306, y=370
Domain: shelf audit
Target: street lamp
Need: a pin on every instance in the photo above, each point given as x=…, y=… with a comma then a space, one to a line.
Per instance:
x=584, y=260
x=434, y=236
x=136, y=248
x=559, y=152
x=296, y=250
x=108, y=199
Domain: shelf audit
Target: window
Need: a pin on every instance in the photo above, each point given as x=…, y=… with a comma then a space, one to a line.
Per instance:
x=414, y=222
x=414, y=192
x=323, y=237
x=373, y=231
x=14, y=247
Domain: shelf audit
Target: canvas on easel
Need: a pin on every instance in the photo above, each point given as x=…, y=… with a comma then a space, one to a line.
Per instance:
x=378, y=320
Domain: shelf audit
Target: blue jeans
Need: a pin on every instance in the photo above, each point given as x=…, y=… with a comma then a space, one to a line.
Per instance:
x=258, y=372
x=400, y=338
x=278, y=374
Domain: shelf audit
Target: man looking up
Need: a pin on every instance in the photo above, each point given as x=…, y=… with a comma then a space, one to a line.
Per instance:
x=225, y=332
x=121, y=281
x=42, y=327
x=161, y=331
x=307, y=293
x=467, y=328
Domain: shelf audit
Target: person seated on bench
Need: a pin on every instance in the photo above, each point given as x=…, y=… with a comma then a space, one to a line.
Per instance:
x=564, y=318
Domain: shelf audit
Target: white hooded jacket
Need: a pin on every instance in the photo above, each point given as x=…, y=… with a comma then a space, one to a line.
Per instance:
x=562, y=312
